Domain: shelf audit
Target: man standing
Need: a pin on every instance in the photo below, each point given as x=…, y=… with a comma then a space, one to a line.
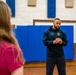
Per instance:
x=54, y=39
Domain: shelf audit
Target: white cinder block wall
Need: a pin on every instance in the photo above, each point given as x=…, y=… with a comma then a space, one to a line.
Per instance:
x=25, y=14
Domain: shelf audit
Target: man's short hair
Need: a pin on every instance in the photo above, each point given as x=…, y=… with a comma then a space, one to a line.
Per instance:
x=57, y=19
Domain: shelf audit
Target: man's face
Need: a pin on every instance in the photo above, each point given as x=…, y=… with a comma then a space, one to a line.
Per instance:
x=57, y=24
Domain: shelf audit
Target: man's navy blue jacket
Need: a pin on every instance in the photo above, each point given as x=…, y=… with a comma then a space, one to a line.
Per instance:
x=54, y=50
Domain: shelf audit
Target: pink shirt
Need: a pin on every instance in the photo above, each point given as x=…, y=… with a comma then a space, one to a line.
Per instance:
x=7, y=63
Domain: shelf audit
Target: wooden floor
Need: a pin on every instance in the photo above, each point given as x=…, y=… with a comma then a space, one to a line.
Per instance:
x=38, y=68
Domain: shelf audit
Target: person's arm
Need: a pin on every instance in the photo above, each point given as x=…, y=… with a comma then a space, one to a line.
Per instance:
x=63, y=41
x=15, y=66
x=46, y=41
x=18, y=71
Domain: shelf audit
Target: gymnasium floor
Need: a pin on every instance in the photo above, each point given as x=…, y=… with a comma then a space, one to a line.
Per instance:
x=38, y=68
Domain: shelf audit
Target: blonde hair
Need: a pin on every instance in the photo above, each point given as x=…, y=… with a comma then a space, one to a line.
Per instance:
x=5, y=27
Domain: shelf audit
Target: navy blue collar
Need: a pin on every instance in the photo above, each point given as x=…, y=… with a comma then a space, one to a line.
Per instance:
x=52, y=29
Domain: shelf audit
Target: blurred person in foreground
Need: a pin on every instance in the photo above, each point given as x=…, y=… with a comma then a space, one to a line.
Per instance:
x=11, y=57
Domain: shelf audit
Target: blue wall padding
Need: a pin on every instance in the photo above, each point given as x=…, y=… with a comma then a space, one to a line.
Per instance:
x=69, y=49
x=22, y=36
x=11, y=4
x=30, y=40
x=33, y=43
x=51, y=8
